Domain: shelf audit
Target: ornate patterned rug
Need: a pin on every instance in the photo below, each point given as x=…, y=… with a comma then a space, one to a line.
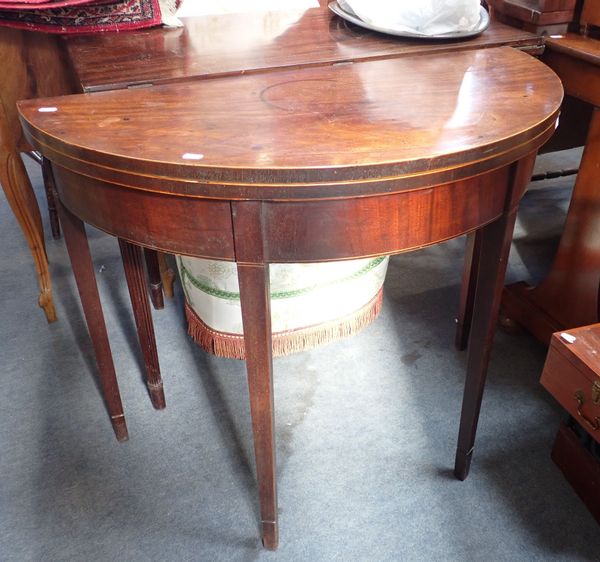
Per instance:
x=86, y=16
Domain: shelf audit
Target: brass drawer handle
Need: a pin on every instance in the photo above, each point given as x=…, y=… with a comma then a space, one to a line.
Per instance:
x=595, y=424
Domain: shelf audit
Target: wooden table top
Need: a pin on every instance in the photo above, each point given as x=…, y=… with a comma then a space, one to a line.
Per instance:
x=250, y=42
x=577, y=46
x=403, y=119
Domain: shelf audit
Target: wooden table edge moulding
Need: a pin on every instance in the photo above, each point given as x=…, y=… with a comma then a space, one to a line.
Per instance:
x=312, y=165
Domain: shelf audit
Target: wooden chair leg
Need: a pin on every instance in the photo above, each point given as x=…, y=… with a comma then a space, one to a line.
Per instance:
x=83, y=269
x=166, y=274
x=19, y=194
x=256, y=318
x=467, y=290
x=154, y=278
x=495, y=241
x=51, y=198
x=136, y=283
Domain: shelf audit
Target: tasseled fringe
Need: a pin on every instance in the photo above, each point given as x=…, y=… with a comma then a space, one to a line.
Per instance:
x=284, y=343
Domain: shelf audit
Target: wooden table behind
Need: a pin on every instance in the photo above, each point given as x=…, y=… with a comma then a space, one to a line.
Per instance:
x=232, y=44
x=568, y=296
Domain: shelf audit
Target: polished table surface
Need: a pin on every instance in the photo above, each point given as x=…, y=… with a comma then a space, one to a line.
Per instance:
x=314, y=164
x=212, y=46
x=568, y=296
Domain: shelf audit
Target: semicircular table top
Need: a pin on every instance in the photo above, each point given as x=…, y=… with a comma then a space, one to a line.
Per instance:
x=393, y=119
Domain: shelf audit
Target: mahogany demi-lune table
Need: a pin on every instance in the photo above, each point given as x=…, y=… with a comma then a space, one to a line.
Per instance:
x=306, y=165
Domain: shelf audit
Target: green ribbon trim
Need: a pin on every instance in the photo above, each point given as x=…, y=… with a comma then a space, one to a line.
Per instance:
x=233, y=296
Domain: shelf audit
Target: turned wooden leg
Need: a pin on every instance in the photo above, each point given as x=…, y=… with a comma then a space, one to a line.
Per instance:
x=166, y=274
x=19, y=194
x=256, y=318
x=495, y=241
x=136, y=283
x=83, y=269
x=467, y=290
x=51, y=198
x=154, y=278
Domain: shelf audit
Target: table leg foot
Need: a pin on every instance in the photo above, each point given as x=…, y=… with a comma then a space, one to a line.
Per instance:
x=136, y=283
x=270, y=534
x=157, y=395
x=120, y=428
x=46, y=303
x=154, y=278
x=462, y=464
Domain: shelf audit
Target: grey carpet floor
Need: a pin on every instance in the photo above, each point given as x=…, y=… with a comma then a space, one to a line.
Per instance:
x=366, y=429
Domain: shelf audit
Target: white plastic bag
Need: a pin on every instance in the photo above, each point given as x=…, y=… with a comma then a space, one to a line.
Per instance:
x=425, y=17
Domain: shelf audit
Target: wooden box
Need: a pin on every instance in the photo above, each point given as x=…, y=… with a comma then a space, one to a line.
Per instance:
x=542, y=17
x=572, y=375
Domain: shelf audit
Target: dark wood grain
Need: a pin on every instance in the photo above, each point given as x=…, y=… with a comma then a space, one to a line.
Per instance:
x=252, y=42
x=320, y=164
x=133, y=264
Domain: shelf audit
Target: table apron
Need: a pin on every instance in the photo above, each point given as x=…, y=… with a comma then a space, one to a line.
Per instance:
x=287, y=231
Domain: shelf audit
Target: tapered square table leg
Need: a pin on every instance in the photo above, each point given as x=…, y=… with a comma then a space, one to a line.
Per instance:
x=256, y=318
x=83, y=269
x=494, y=242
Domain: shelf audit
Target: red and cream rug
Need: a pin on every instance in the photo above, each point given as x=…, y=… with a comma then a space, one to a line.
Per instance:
x=86, y=16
